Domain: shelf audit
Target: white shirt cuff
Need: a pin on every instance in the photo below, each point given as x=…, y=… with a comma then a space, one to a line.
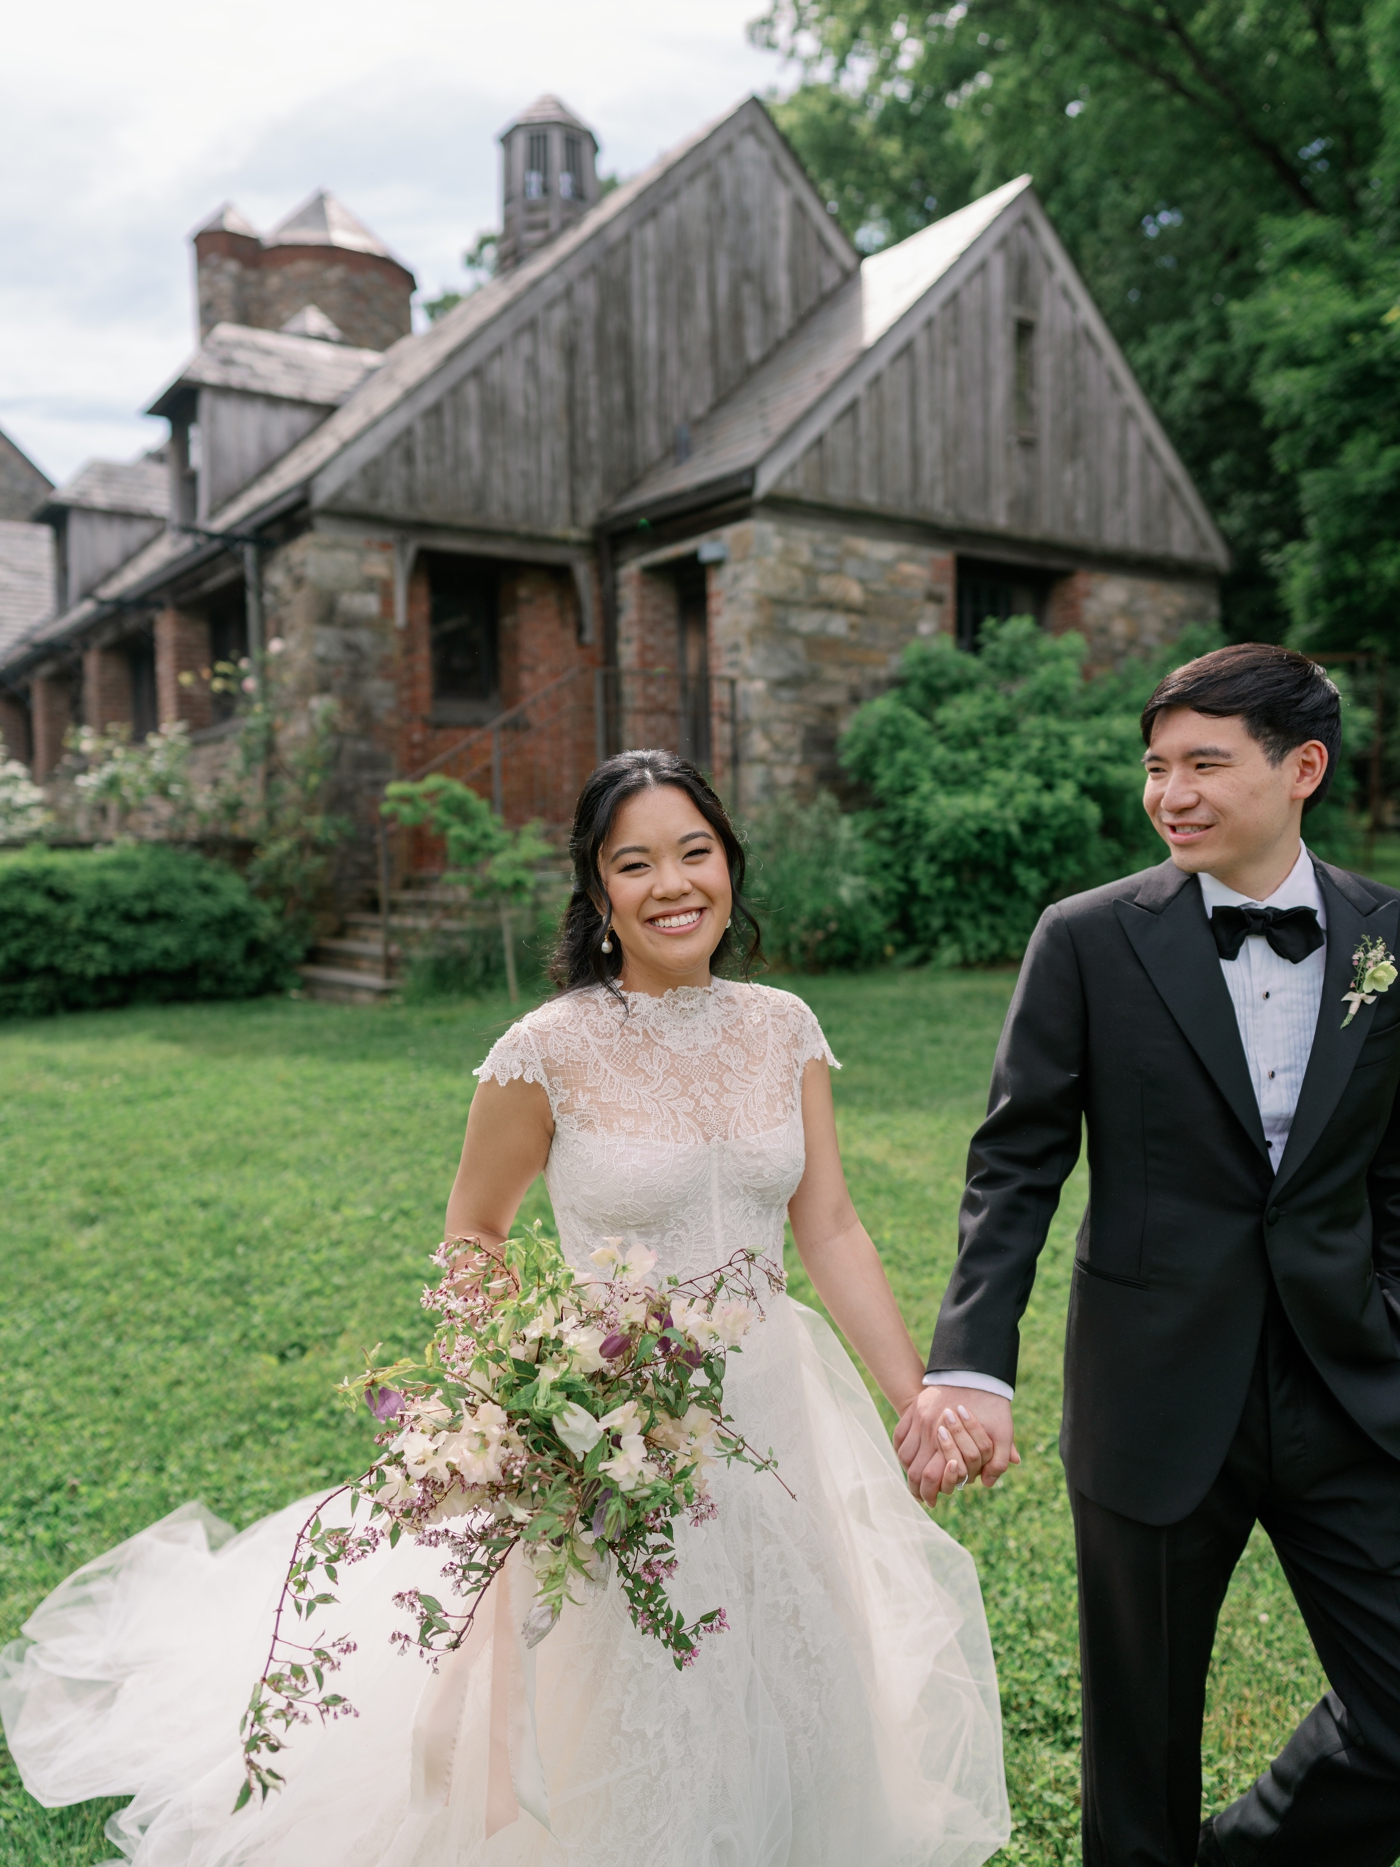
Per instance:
x=963, y=1377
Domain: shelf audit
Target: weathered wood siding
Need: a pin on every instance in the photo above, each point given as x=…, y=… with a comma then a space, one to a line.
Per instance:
x=241, y=434
x=95, y=543
x=581, y=387
x=934, y=433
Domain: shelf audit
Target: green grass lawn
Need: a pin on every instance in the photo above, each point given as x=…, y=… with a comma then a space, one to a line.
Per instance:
x=210, y=1210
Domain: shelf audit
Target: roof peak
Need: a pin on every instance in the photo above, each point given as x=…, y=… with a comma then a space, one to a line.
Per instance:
x=548, y=109
x=311, y=321
x=228, y=219
x=322, y=220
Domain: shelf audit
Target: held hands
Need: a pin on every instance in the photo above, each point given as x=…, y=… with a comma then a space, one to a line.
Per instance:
x=950, y=1434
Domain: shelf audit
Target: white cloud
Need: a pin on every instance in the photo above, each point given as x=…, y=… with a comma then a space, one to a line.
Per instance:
x=123, y=128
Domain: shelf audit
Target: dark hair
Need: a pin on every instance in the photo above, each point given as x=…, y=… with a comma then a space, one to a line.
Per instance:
x=1282, y=697
x=578, y=957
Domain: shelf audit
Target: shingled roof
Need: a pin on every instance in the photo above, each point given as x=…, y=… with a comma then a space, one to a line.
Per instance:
x=321, y=220
x=26, y=578
x=139, y=488
x=275, y=363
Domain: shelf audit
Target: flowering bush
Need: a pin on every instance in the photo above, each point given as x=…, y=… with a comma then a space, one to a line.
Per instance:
x=123, y=778
x=23, y=812
x=574, y=1419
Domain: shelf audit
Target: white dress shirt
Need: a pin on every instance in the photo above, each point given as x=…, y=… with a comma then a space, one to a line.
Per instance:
x=1276, y=1003
x=1276, y=1006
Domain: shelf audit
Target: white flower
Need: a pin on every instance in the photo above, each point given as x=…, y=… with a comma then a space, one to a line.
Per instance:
x=731, y=1321
x=578, y=1429
x=538, y=1622
x=624, y=1419
x=692, y=1431
x=632, y=1310
x=628, y=1466
x=583, y=1342
x=632, y=1263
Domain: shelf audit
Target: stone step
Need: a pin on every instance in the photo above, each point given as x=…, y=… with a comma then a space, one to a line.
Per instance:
x=356, y=955
x=367, y=926
x=335, y=985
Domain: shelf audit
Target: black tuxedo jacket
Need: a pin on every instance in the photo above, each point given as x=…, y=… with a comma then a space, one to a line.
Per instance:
x=1121, y=1024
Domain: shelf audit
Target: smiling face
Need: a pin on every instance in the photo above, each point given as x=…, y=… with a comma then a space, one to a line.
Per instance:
x=667, y=876
x=1220, y=806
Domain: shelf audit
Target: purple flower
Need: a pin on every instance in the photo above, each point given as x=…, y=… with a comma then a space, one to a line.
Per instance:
x=614, y=1345
x=385, y=1403
x=600, y=1514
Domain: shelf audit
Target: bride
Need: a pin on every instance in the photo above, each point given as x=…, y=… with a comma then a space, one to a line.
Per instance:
x=847, y=1718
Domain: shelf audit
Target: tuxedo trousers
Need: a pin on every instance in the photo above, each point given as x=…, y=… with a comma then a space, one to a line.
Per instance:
x=1149, y=1600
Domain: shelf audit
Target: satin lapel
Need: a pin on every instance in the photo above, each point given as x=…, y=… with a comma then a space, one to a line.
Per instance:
x=1334, y=1050
x=1175, y=945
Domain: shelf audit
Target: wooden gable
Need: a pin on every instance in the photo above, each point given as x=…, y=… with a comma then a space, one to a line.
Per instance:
x=1001, y=405
x=630, y=330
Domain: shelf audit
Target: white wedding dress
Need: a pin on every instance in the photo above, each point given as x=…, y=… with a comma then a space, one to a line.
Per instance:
x=849, y=1716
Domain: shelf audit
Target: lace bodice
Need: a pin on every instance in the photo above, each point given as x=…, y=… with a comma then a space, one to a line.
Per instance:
x=677, y=1120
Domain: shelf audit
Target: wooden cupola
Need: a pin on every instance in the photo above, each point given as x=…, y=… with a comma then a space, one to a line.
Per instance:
x=549, y=178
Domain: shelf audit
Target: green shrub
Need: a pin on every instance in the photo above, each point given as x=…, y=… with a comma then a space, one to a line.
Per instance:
x=471, y=963
x=135, y=923
x=1003, y=781
x=814, y=878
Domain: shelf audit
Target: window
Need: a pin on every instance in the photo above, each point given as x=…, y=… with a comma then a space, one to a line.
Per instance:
x=464, y=623
x=141, y=665
x=537, y=166
x=693, y=660
x=1025, y=378
x=992, y=592
x=571, y=175
x=226, y=614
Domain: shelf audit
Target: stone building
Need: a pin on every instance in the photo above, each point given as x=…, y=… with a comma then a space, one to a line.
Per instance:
x=688, y=470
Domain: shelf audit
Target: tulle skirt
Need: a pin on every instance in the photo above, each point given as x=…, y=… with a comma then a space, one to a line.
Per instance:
x=848, y=1718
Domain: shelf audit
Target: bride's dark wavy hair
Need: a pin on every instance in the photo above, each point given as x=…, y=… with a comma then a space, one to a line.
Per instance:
x=578, y=958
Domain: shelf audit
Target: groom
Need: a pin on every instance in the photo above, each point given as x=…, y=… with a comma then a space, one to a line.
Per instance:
x=1233, y=1353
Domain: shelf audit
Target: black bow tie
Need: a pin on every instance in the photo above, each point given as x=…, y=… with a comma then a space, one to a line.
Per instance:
x=1293, y=933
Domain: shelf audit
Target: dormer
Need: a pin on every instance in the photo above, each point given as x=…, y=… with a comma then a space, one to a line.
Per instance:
x=244, y=399
x=549, y=178
x=102, y=517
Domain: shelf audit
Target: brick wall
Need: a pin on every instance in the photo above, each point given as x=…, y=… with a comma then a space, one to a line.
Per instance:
x=1120, y=615
x=182, y=650
x=106, y=688
x=240, y=281
x=50, y=716
x=544, y=756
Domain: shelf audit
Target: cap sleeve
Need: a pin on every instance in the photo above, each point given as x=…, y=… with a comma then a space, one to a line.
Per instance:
x=806, y=1041
x=516, y=1056
x=811, y=1040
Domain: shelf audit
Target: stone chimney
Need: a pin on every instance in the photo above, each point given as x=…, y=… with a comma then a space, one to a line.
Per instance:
x=319, y=256
x=549, y=178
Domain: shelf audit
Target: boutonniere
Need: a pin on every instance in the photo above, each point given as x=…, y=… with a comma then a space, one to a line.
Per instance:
x=1375, y=973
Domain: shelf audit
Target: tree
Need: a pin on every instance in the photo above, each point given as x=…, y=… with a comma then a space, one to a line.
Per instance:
x=497, y=864
x=1168, y=141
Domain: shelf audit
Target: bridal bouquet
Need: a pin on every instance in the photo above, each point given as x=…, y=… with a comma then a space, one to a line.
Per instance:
x=573, y=1418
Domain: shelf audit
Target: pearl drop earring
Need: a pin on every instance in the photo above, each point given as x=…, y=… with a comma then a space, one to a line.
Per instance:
x=607, y=941
x=730, y=921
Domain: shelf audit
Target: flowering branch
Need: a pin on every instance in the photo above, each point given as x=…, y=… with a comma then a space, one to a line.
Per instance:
x=571, y=1418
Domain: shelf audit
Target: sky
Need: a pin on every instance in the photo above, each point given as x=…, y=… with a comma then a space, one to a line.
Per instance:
x=123, y=128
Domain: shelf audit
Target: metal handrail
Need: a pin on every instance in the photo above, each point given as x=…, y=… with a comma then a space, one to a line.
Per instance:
x=494, y=726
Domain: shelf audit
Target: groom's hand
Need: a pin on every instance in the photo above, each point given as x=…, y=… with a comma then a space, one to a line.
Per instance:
x=950, y=1434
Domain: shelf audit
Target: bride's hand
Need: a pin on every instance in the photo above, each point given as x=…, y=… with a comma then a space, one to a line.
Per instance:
x=950, y=1434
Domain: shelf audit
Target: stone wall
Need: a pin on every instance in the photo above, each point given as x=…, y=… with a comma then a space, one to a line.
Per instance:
x=1122, y=615
x=328, y=598
x=812, y=620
